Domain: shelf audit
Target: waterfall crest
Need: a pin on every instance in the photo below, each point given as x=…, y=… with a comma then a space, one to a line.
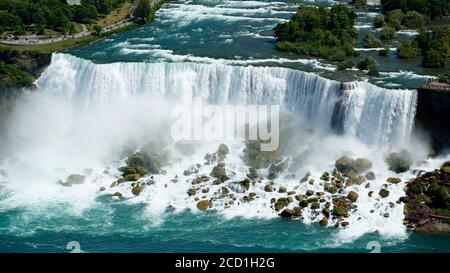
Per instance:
x=373, y=114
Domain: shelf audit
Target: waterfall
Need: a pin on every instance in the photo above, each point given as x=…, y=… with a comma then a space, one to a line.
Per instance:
x=373, y=114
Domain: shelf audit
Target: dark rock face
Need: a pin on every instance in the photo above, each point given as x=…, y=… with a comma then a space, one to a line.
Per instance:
x=427, y=207
x=432, y=116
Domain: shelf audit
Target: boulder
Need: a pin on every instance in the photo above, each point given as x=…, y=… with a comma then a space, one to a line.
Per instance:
x=74, y=179
x=315, y=205
x=245, y=184
x=132, y=177
x=394, y=180
x=127, y=170
x=191, y=192
x=383, y=193
x=399, y=162
x=253, y=173
x=203, y=205
x=446, y=169
x=344, y=164
x=223, y=150
x=370, y=175
x=352, y=196
x=324, y=221
x=117, y=194
x=328, y=187
x=340, y=212
x=361, y=165
x=282, y=189
x=280, y=203
x=309, y=192
x=103, y=189
x=136, y=190
x=219, y=172
x=268, y=188
x=288, y=213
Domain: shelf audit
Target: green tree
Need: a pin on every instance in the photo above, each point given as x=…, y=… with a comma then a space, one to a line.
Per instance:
x=371, y=42
x=408, y=50
x=142, y=11
x=388, y=33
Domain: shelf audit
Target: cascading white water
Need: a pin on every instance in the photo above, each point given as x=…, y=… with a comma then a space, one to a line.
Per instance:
x=374, y=115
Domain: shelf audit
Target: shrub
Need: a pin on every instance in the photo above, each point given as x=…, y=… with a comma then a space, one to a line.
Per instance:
x=408, y=50
x=384, y=52
x=378, y=21
x=388, y=33
x=371, y=42
x=434, y=59
x=413, y=20
x=369, y=64
x=394, y=18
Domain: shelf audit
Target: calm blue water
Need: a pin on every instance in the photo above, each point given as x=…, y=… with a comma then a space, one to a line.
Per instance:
x=234, y=32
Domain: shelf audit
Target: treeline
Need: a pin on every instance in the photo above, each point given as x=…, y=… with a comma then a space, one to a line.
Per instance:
x=319, y=32
x=38, y=15
x=432, y=8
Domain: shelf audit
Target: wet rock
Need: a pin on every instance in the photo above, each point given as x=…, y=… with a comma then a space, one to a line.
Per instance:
x=299, y=197
x=352, y=196
x=127, y=170
x=113, y=184
x=282, y=189
x=117, y=194
x=245, y=184
x=303, y=203
x=74, y=179
x=191, y=192
x=103, y=189
x=278, y=167
x=386, y=215
x=370, y=193
x=287, y=213
x=315, y=205
x=253, y=173
x=223, y=150
x=344, y=224
x=203, y=205
x=305, y=178
x=394, y=180
x=344, y=164
x=290, y=199
x=324, y=221
x=309, y=192
x=268, y=188
x=326, y=212
x=280, y=203
x=325, y=176
x=383, y=193
x=399, y=162
x=359, y=179
x=132, y=177
x=370, y=175
x=361, y=165
x=328, y=187
x=200, y=179
x=272, y=176
x=312, y=199
x=136, y=190
x=219, y=171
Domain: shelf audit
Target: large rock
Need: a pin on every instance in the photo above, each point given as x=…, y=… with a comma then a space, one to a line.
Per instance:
x=352, y=196
x=219, y=172
x=203, y=205
x=399, y=162
x=344, y=164
x=268, y=188
x=288, y=213
x=383, y=193
x=136, y=190
x=361, y=165
x=223, y=150
x=370, y=175
x=74, y=179
x=394, y=180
